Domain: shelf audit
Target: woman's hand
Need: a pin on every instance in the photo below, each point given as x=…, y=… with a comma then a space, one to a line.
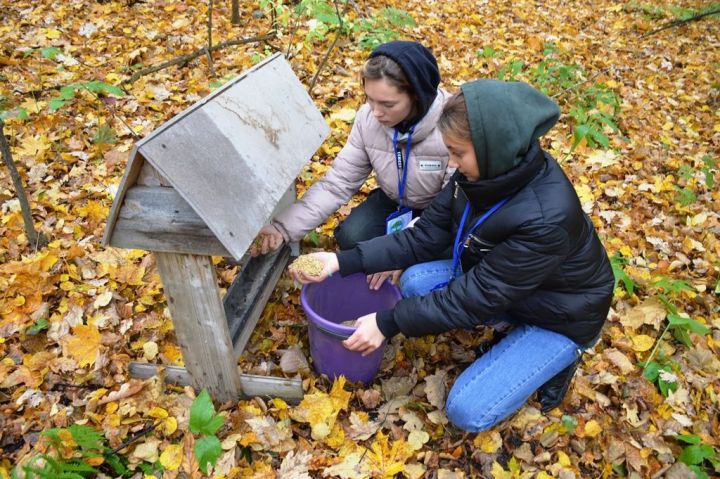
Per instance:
x=329, y=266
x=367, y=337
x=376, y=280
x=269, y=239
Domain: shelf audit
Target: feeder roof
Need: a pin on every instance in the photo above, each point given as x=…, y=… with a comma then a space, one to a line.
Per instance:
x=234, y=154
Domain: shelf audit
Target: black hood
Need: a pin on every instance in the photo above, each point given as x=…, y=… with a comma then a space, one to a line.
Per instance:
x=505, y=119
x=421, y=70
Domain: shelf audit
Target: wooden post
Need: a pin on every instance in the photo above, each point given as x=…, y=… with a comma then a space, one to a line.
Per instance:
x=200, y=326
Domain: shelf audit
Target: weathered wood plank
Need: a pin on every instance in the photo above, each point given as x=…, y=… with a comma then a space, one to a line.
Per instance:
x=149, y=176
x=233, y=158
x=132, y=170
x=198, y=316
x=248, y=294
x=290, y=390
x=156, y=218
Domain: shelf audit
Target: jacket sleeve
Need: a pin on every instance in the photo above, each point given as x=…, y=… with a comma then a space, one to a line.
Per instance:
x=512, y=271
x=348, y=172
x=425, y=241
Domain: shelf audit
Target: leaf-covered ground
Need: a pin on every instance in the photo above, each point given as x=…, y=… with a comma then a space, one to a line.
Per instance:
x=74, y=314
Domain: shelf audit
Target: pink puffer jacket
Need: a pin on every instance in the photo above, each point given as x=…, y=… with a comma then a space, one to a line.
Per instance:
x=369, y=147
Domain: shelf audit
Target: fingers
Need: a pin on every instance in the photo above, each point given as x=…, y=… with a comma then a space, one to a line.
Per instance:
x=358, y=343
x=376, y=280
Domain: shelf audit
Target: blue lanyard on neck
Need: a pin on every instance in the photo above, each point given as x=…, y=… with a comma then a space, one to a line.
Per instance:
x=461, y=240
x=400, y=164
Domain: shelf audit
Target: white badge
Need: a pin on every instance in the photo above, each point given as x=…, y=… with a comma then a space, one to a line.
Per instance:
x=430, y=165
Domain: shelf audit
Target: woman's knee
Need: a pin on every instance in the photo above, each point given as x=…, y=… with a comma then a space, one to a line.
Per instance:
x=467, y=418
x=346, y=237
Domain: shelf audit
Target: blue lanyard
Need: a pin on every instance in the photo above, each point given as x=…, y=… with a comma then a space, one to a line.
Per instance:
x=461, y=240
x=402, y=180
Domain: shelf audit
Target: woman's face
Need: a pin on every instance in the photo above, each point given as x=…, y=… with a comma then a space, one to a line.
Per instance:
x=389, y=105
x=461, y=155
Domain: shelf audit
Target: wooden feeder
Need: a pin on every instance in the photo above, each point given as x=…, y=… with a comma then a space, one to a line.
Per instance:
x=203, y=184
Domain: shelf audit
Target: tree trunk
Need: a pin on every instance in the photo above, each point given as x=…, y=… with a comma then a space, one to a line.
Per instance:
x=235, y=12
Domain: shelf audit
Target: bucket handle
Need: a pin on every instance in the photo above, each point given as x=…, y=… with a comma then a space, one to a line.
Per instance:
x=332, y=333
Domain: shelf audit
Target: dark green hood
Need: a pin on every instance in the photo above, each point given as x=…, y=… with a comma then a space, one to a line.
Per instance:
x=505, y=119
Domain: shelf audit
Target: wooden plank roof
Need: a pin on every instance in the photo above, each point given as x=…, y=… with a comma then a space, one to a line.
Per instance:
x=233, y=154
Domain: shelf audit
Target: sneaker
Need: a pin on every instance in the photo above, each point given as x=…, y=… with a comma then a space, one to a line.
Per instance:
x=551, y=394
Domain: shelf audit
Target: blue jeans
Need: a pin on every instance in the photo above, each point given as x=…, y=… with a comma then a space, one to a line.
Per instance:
x=500, y=381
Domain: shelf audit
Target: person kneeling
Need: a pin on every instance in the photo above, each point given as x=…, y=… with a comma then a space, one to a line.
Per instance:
x=524, y=254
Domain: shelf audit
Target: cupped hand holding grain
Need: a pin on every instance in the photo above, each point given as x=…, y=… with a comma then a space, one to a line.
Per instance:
x=313, y=267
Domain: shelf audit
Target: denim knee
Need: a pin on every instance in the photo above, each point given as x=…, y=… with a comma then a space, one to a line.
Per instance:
x=464, y=419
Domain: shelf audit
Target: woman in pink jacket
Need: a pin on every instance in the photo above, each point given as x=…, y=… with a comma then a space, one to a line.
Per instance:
x=395, y=135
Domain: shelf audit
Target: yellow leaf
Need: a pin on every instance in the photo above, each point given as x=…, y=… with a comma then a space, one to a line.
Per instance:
x=498, y=472
x=51, y=33
x=488, y=441
x=563, y=459
x=169, y=426
x=33, y=146
x=158, y=413
x=416, y=439
x=93, y=210
x=82, y=345
x=172, y=457
x=592, y=428
x=642, y=342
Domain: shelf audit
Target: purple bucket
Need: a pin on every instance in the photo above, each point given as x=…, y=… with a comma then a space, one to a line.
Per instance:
x=333, y=301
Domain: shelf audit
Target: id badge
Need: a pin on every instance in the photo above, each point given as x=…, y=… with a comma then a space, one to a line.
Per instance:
x=398, y=220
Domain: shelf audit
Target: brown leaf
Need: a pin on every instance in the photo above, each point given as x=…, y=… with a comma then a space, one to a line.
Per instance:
x=128, y=389
x=369, y=397
x=651, y=311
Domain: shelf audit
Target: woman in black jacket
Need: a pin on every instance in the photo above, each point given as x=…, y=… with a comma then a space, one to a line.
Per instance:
x=524, y=253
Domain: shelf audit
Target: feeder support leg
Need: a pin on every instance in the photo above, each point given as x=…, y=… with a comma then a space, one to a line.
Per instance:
x=201, y=329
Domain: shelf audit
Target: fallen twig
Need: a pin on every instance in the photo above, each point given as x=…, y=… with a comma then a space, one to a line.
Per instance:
x=136, y=436
x=677, y=23
x=191, y=56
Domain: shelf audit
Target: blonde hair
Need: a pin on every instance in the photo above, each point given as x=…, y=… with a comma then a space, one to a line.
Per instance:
x=453, y=121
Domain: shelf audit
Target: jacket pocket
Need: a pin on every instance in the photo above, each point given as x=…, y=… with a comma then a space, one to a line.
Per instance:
x=476, y=248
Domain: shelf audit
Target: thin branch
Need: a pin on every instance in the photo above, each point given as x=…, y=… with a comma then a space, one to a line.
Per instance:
x=136, y=436
x=182, y=59
x=209, y=48
x=114, y=115
x=677, y=23
x=329, y=50
x=37, y=240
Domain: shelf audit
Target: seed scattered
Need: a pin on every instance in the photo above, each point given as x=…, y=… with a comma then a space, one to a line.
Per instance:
x=308, y=265
x=349, y=322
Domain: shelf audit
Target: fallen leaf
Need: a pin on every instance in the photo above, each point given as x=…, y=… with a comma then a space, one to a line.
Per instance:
x=82, y=345
x=642, y=342
x=171, y=457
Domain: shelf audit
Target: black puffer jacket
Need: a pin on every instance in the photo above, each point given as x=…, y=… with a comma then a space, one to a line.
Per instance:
x=537, y=258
